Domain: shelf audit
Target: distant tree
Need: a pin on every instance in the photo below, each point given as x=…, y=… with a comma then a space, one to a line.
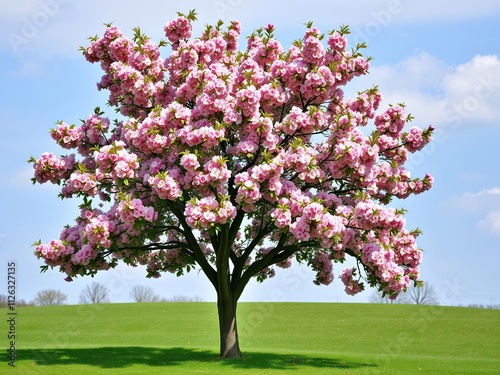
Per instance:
x=419, y=295
x=378, y=297
x=141, y=293
x=185, y=299
x=4, y=301
x=49, y=297
x=94, y=293
x=481, y=306
x=423, y=295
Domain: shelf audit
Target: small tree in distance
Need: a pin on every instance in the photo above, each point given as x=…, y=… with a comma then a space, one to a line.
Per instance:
x=141, y=293
x=379, y=297
x=181, y=298
x=423, y=295
x=4, y=301
x=236, y=162
x=50, y=297
x=94, y=293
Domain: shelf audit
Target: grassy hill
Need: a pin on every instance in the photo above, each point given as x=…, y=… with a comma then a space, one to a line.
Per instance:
x=276, y=338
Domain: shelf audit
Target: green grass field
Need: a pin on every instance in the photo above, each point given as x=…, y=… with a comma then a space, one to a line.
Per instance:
x=276, y=338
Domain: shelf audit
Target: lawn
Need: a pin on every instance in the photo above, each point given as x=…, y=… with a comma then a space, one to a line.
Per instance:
x=276, y=338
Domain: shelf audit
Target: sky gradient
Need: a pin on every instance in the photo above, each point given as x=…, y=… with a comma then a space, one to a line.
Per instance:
x=442, y=59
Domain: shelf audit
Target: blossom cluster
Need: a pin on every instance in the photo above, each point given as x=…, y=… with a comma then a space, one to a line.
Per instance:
x=352, y=285
x=255, y=155
x=116, y=161
x=207, y=212
x=51, y=168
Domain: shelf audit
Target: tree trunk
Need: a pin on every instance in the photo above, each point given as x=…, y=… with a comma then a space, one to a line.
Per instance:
x=229, y=344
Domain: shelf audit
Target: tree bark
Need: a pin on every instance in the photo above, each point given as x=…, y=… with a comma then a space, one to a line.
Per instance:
x=229, y=344
x=226, y=298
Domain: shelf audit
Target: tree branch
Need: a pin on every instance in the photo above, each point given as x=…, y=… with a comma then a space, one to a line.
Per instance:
x=198, y=255
x=278, y=254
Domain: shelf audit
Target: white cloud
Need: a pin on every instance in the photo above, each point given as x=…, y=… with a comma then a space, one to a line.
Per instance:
x=475, y=202
x=66, y=24
x=22, y=179
x=421, y=71
x=57, y=26
x=491, y=223
x=483, y=205
x=365, y=15
x=9, y=9
x=436, y=93
x=29, y=68
x=484, y=192
x=450, y=10
x=473, y=90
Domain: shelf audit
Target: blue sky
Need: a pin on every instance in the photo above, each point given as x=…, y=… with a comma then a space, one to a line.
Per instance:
x=441, y=58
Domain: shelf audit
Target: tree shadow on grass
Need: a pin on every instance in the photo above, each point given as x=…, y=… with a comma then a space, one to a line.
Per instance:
x=121, y=357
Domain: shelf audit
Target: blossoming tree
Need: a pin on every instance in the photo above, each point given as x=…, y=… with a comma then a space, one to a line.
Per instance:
x=236, y=162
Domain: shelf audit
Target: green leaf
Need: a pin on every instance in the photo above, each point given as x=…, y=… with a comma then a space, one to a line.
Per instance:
x=419, y=283
x=98, y=111
x=344, y=30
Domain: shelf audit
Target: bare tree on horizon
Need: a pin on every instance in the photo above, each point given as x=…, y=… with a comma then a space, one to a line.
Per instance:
x=50, y=297
x=141, y=293
x=418, y=295
x=424, y=295
x=94, y=293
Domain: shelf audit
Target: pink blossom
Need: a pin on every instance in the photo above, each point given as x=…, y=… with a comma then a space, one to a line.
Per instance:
x=206, y=212
x=178, y=29
x=352, y=286
x=80, y=182
x=417, y=138
x=322, y=263
x=67, y=136
x=190, y=162
x=313, y=51
x=95, y=128
x=282, y=218
x=52, y=168
x=53, y=251
x=84, y=255
x=391, y=122
x=130, y=210
x=337, y=42
x=165, y=186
